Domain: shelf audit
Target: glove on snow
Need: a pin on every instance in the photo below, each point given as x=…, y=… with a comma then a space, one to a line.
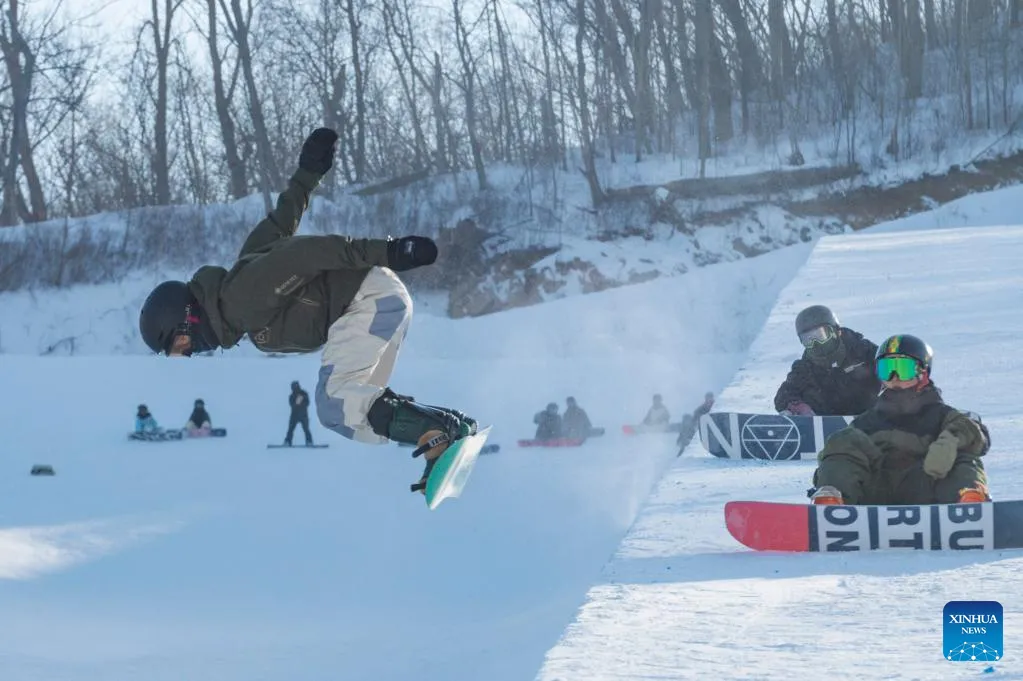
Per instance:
x=410, y=252
x=941, y=455
x=800, y=409
x=318, y=151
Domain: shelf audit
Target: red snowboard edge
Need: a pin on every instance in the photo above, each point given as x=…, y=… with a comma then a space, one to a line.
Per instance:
x=767, y=526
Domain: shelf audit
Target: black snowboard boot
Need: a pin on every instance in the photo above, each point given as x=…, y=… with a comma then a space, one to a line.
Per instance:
x=431, y=429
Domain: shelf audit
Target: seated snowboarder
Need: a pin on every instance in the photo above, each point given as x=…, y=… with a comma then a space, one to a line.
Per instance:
x=575, y=424
x=835, y=376
x=298, y=400
x=297, y=294
x=199, y=422
x=910, y=447
x=548, y=424
x=691, y=422
x=657, y=417
x=144, y=421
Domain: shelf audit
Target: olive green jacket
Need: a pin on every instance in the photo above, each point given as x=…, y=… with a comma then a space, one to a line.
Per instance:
x=285, y=291
x=898, y=430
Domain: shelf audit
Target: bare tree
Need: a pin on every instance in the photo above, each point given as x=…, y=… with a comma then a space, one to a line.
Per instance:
x=20, y=60
x=468, y=86
x=585, y=124
x=223, y=97
x=239, y=24
x=354, y=14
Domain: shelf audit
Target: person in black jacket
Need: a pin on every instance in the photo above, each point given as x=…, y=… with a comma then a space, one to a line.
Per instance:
x=548, y=423
x=835, y=376
x=575, y=423
x=199, y=420
x=299, y=403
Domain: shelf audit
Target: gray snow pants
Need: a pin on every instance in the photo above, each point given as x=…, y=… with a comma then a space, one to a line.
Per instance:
x=358, y=357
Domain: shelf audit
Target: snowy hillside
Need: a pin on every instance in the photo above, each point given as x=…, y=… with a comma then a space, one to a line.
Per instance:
x=102, y=318
x=682, y=600
x=223, y=560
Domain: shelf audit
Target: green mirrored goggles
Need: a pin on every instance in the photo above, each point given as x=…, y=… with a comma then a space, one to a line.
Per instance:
x=904, y=368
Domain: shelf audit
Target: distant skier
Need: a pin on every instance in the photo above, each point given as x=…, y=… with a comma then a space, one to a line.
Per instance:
x=199, y=423
x=292, y=293
x=835, y=376
x=657, y=417
x=145, y=422
x=298, y=400
x=910, y=447
x=575, y=424
x=548, y=424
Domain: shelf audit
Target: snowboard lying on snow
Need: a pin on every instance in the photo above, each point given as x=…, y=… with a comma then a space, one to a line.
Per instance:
x=769, y=526
x=767, y=437
x=176, y=434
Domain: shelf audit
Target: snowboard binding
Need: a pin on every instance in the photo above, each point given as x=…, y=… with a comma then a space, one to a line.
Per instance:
x=434, y=440
x=431, y=429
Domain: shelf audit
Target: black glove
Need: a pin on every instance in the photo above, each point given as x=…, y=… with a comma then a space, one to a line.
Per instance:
x=318, y=151
x=409, y=252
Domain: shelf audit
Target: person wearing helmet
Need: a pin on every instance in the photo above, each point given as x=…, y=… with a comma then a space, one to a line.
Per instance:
x=835, y=375
x=575, y=423
x=145, y=422
x=297, y=294
x=199, y=423
x=548, y=423
x=910, y=447
x=298, y=400
x=657, y=417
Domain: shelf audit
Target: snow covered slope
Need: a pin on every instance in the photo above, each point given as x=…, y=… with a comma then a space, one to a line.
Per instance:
x=682, y=600
x=223, y=560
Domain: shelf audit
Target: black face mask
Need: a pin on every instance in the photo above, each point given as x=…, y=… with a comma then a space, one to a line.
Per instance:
x=832, y=350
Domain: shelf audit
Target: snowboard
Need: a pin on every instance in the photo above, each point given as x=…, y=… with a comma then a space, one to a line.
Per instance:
x=559, y=442
x=451, y=470
x=283, y=446
x=767, y=437
x=159, y=436
x=213, y=432
x=769, y=526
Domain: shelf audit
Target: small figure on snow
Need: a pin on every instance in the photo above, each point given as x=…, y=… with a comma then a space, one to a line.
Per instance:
x=658, y=416
x=199, y=423
x=548, y=423
x=835, y=376
x=298, y=400
x=575, y=424
x=292, y=293
x=910, y=447
x=145, y=423
x=691, y=422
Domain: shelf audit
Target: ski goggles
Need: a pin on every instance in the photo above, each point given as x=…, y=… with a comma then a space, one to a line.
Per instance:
x=816, y=336
x=904, y=368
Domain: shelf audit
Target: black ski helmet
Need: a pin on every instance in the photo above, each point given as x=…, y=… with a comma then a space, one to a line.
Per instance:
x=814, y=316
x=907, y=346
x=169, y=311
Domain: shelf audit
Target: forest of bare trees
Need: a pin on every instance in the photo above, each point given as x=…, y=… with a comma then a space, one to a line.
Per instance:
x=213, y=98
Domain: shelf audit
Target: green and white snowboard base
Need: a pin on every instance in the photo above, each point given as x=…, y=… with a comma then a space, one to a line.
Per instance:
x=451, y=470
